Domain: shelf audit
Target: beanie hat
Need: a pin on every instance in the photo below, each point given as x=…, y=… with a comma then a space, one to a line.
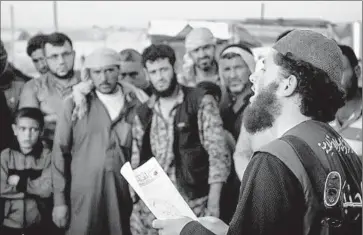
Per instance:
x=313, y=48
x=199, y=37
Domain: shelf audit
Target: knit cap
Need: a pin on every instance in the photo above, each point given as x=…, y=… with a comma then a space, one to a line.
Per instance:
x=314, y=48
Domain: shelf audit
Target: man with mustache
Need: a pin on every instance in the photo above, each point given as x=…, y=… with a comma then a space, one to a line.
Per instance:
x=97, y=145
x=132, y=70
x=48, y=91
x=348, y=120
x=181, y=127
x=236, y=64
x=200, y=62
x=297, y=91
x=35, y=51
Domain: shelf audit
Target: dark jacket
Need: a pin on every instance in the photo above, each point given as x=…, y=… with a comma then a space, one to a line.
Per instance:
x=232, y=108
x=12, y=85
x=191, y=159
x=32, y=190
x=6, y=133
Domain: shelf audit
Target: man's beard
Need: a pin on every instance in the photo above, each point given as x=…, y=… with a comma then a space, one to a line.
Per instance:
x=351, y=89
x=167, y=92
x=3, y=65
x=70, y=74
x=261, y=114
x=206, y=67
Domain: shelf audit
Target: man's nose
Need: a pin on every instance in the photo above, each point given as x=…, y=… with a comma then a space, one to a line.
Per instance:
x=200, y=52
x=42, y=63
x=233, y=74
x=103, y=77
x=159, y=76
x=61, y=59
x=27, y=133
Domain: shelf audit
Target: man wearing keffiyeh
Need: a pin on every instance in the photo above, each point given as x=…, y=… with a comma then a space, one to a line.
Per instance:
x=98, y=144
x=199, y=61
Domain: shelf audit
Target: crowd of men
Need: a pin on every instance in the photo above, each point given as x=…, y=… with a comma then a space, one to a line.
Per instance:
x=254, y=147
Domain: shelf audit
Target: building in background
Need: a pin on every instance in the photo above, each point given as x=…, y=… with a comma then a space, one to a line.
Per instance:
x=258, y=34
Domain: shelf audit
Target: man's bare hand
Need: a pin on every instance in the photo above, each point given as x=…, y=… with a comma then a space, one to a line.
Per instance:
x=60, y=216
x=213, y=199
x=171, y=226
x=13, y=180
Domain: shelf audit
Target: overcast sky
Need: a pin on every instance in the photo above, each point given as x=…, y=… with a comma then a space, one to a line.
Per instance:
x=77, y=14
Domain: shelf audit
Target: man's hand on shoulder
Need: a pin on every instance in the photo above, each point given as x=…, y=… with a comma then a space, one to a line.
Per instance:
x=60, y=215
x=13, y=180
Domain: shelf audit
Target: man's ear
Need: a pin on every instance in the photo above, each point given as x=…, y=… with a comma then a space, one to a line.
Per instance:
x=15, y=130
x=288, y=85
x=146, y=74
x=358, y=71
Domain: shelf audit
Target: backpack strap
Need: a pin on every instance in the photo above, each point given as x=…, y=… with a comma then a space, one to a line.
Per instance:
x=285, y=153
x=313, y=167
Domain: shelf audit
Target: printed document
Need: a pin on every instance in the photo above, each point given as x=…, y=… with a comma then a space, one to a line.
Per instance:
x=156, y=190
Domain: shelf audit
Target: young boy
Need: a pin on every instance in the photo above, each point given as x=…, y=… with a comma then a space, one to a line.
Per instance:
x=25, y=178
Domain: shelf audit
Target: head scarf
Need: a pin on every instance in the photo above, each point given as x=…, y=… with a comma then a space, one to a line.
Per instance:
x=199, y=37
x=245, y=55
x=102, y=57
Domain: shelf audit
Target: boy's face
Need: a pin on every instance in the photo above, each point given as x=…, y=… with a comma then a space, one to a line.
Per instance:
x=27, y=131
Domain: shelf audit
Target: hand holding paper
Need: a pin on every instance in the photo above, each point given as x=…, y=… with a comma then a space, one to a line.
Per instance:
x=157, y=191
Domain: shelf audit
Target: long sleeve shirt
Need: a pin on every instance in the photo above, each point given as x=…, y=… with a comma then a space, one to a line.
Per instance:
x=35, y=175
x=6, y=133
x=47, y=94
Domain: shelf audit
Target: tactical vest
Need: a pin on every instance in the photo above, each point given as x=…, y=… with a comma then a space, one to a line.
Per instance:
x=331, y=154
x=191, y=159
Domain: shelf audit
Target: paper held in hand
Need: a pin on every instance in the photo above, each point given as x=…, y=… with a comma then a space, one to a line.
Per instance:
x=156, y=190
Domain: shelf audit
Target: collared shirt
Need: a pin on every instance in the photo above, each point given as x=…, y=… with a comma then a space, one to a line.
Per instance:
x=47, y=94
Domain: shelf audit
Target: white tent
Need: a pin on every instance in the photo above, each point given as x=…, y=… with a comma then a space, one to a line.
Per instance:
x=171, y=28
